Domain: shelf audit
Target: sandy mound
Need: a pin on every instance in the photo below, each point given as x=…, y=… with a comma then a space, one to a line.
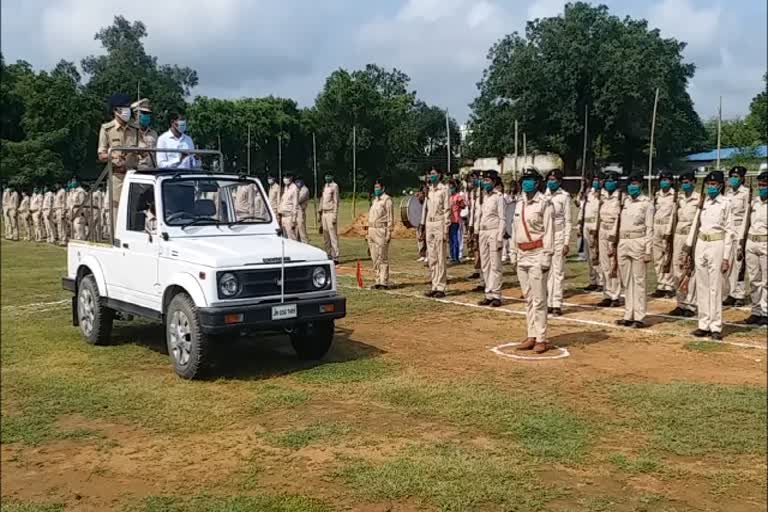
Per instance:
x=357, y=229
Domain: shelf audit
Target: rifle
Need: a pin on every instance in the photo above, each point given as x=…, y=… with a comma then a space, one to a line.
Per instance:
x=596, y=240
x=615, y=261
x=670, y=245
x=584, y=196
x=743, y=241
x=690, y=251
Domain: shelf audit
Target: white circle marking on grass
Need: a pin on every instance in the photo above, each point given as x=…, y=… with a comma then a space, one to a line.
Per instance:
x=497, y=350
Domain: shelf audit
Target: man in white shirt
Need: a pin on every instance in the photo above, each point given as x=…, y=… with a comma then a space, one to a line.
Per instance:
x=176, y=138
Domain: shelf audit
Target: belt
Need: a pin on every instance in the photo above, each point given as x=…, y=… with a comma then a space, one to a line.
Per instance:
x=661, y=221
x=529, y=246
x=434, y=219
x=589, y=220
x=711, y=237
x=683, y=230
x=378, y=225
x=630, y=235
x=759, y=238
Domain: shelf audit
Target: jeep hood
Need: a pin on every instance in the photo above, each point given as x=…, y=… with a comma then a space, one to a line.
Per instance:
x=236, y=251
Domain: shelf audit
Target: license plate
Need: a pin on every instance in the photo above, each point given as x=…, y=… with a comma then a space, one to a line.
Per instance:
x=283, y=311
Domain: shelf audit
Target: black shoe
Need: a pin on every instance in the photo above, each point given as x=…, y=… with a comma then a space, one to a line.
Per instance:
x=624, y=323
x=478, y=289
x=659, y=294
x=591, y=288
x=764, y=320
x=616, y=304
x=739, y=303
x=671, y=294
x=495, y=303
x=687, y=313
x=557, y=311
x=549, y=310
x=638, y=325
x=484, y=302
x=476, y=275
x=753, y=320
x=701, y=333
x=336, y=261
x=439, y=295
x=430, y=293
x=717, y=336
x=677, y=312
x=605, y=303
x=729, y=301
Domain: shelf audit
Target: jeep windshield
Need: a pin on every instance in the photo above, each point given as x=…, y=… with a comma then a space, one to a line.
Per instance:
x=207, y=200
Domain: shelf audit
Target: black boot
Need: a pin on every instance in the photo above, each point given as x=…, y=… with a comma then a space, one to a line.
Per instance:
x=729, y=301
x=701, y=333
x=753, y=320
x=605, y=303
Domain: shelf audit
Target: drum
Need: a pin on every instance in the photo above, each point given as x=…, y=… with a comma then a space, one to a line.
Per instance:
x=509, y=217
x=410, y=211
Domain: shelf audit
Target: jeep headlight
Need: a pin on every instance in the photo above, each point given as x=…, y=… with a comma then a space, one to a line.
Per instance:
x=319, y=277
x=229, y=285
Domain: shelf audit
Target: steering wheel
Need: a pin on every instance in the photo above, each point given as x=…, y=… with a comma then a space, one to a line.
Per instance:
x=179, y=215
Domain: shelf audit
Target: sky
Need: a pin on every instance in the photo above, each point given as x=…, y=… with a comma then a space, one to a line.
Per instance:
x=288, y=47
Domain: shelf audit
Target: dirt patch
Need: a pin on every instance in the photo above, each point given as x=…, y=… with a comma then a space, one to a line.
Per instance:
x=359, y=229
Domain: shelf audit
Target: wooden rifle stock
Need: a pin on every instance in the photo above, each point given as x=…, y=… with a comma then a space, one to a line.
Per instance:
x=743, y=241
x=670, y=242
x=690, y=251
x=615, y=242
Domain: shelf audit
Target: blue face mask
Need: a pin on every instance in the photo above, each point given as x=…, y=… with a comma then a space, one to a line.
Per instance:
x=596, y=184
x=762, y=192
x=529, y=185
x=687, y=187
x=181, y=125
x=610, y=185
x=488, y=186
x=144, y=119
x=665, y=184
x=713, y=191
x=734, y=181
x=378, y=191
x=553, y=185
x=633, y=190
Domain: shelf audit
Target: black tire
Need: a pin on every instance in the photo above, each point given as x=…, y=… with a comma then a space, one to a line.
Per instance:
x=188, y=346
x=95, y=319
x=313, y=340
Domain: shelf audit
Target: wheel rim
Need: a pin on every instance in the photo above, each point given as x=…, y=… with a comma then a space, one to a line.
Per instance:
x=180, y=337
x=87, y=311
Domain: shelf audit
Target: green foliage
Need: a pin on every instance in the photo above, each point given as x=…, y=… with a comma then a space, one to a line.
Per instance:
x=586, y=57
x=295, y=439
x=758, y=114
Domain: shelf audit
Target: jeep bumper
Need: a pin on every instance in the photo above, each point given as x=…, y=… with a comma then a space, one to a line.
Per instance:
x=261, y=316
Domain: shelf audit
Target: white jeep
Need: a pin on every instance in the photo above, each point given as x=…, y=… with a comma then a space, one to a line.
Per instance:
x=181, y=253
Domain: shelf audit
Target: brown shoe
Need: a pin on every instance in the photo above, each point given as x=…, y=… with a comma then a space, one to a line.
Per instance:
x=527, y=344
x=541, y=347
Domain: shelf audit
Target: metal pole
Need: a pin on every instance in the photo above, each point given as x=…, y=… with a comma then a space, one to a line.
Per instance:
x=516, y=155
x=354, y=171
x=719, y=127
x=584, y=151
x=525, y=148
x=650, y=149
x=280, y=163
x=138, y=90
x=314, y=170
x=248, y=145
x=448, y=138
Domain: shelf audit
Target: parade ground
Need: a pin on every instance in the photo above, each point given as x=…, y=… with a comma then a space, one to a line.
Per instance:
x=422, y=404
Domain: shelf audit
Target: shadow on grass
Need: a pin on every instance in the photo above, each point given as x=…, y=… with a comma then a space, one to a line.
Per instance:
x=579, y=339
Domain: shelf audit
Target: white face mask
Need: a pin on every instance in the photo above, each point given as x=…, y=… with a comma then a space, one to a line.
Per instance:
x=271, y=181
x=286, y=181
x=125, y=114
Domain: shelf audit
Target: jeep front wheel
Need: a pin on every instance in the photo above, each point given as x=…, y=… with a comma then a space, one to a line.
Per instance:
x=313, y=339
x=94, y=318
x=187, y=344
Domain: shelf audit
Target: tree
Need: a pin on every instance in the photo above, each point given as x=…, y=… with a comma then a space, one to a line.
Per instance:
x=733, y=133
x=758, y=114
x=586, y=57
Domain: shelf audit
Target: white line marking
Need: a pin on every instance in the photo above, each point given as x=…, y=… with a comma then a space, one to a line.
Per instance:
x=497, y=350
x=36, y=304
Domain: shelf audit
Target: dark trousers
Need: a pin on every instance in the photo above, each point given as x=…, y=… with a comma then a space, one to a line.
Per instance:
x=455, y=242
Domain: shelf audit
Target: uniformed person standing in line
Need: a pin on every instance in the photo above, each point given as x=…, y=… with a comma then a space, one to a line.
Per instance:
x=60, y=215
x=381, y=222
x=79, y=211
x=589, y=214
x=663, y=205
x=711, y=262
x=635, y=251
x=95, y=227
x=245, y=201
x=25, y=218
x=50, y=215
x=6, y=220
x=492, y=227
x=687, y=208
x=13, y=214
x=302, y=213
x=288, y=210
x=477, y=216
x=757, y=253
x=534, y=236
x=561, y=211
x=147, y=136
x=118, y=132
x=274, y=193
x=329, y=215
x=738, y=194
x=35, y=209
x=436, y=219
x=609, y=212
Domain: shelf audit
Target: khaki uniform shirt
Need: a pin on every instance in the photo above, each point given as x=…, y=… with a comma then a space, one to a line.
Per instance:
x=289, y=202
x=303, y=197
x=79, y=201
x=590, y=211
x=664, y=206
x=609, y=212
x=48, y=201
x=637, y=221
x=716, y=217
x=493, y=217
x=274, y=196
x=147, y=139
x=437, y=206
x=244, y=201
x=13, y=200
x=758, y=220
x=60, y=200
x=739, y=204
x=6, y=196
x=330, y=200
x=36, y=203
x=24, y=206
x=686, y=211
x=561, y=211
x=534, y=217
x=113, y=134
x=382, y=214
x=97, y=199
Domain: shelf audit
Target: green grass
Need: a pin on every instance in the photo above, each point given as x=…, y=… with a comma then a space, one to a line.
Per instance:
x=18, y=506
x=697, y=419
x=347, y=372
x=451, y=477
x=294, y=439
x=32, y=273
x=231, y=504
x=706, y=346
x=634, y=465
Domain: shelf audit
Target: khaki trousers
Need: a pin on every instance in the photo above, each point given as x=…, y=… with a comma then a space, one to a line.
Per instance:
x=25, y=225
x=633, y=269
x=289, y=228
x=6, y=224
x=330, y=234
x=37, y=225
x=49, y=217
x=117, y=190
x=757, y=268
x=556, y=273
x=13, y=217
x=379, y=246
x=301, y=226
x=709, y=286
x=437, y=243
x=590, y=248
x=61, y=225
x=534, y=285
x=663, y=281
x=731, y=284
x=611, y=285
x=490, y=258
x=684, y=300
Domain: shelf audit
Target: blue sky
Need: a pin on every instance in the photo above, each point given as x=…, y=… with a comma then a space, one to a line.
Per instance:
x=288, y=47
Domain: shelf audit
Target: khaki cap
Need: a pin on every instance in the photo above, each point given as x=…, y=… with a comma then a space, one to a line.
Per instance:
x=142, y=104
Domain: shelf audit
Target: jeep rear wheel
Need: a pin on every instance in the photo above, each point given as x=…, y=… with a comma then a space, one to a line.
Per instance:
x=188, y=345
x=94, y=319
x=312, y=340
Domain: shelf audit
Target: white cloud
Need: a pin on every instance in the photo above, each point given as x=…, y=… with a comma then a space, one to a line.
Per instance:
x=545, y=9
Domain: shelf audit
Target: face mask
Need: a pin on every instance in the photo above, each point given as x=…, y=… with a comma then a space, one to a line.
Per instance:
x=453, y=190
x=488, y=186
x=687, y=187
x=553, y=185
x=529, y=185
x=271, y=181
x=144, y=119
x=328, y=179
x=665, y=184
x=713, y=191
x=181, y=126
x=633, y=190
x=610, y=185
x=299, y=184
x=762, y=192
x=286, y=181
x=734, y=181
x=478, y=183
x=124, y=114
x=378, y=191
x=434, y=177
x=596, y=184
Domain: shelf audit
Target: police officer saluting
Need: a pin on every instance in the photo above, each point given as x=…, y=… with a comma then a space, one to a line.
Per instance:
x=534, y=241
x=561, y=211
x=663, y=205
x=687, y=207
x=757, y=253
